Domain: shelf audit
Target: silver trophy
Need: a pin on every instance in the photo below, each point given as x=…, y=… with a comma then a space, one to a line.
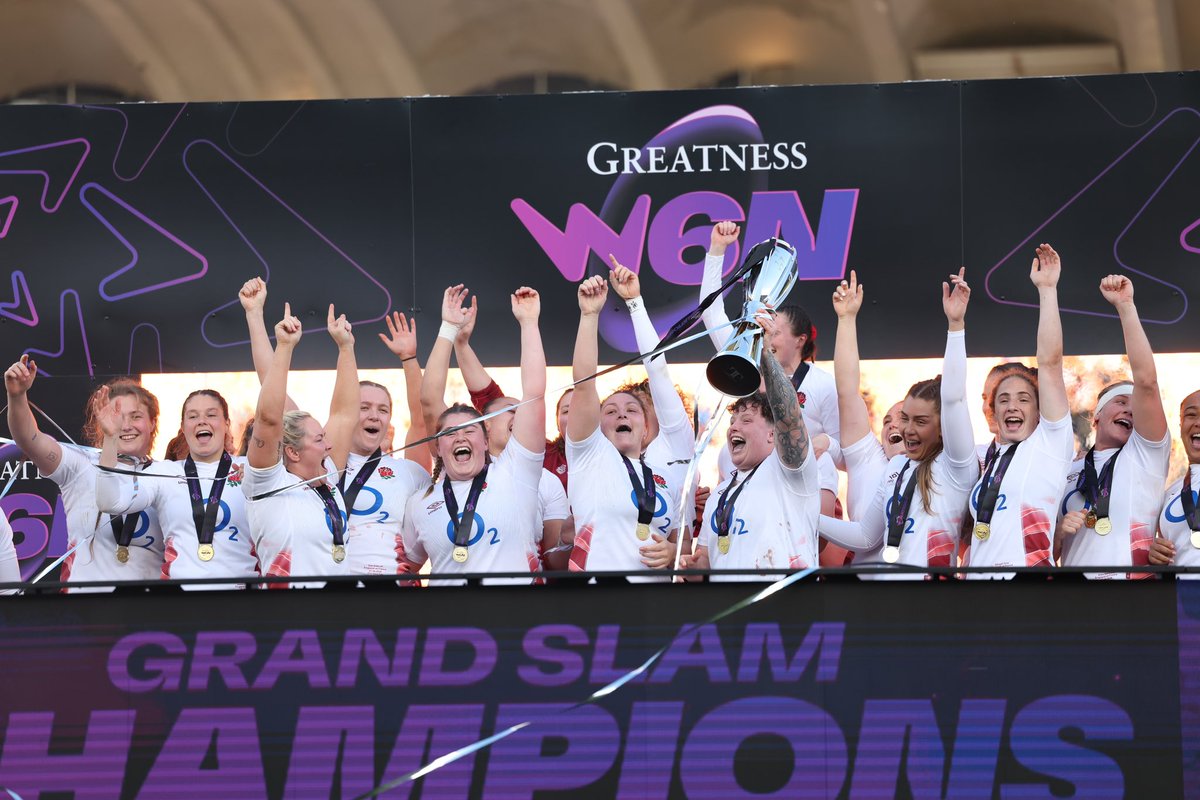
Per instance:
x=734, y=371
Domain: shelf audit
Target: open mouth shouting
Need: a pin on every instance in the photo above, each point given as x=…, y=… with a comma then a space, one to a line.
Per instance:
x=462, y=454
x=895, y=438
x=1127, y=424
x=624, y=428
x=204, y=436
x=1013, y=423
x=371, y=429
x=737, y=443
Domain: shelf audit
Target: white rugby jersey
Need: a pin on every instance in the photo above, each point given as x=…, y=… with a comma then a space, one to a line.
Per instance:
x=507, y=527
x=10, y=570
x=375, y=542
x=292, y=531
x=96, y=557
x=1173, y=524
x=605, y=508
x=170, y=499
x=773, y=521
x=1134, y=505
x=1022, y=524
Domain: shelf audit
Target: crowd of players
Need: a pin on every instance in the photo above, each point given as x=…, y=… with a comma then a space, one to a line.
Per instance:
x=489, y=495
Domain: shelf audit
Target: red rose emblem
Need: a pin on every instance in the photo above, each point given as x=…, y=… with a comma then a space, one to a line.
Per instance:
x=660, y=480
x=800, y=396
x=236, y=473
x=386, y=473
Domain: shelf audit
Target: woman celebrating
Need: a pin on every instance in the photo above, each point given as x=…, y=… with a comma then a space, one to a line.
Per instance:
x=297, y=516
x=481, y=515
x=203, y=512
x=615, y=528
x=102, y=548
x=1015, y=503
x=1179, y=522
x=915, y=513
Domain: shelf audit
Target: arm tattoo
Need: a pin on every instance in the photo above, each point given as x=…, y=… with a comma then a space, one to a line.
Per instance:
x=791, y=435
x=259, y=442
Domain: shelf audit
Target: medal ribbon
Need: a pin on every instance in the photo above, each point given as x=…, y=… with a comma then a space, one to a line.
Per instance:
x=989, y=491
x=1097, y=489
x=799, y=375
x=368, y=468
x=204, y=512
x=464, y=524
x=1189, y=502
x=647, y=498
x=901, y=505
x=727, y=499
x=122, y=527
x=335, y=516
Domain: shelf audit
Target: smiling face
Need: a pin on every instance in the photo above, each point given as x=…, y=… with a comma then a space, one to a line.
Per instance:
x=623, y=422
x=1114, y=423
x=920, y=427
x=205, y=427
x=787, y=347
x=1189, y=426
x=890, y=436
x=463, y=451
x=374, y=416
x=1016, y=409
x=751, y=437
x=137, y=428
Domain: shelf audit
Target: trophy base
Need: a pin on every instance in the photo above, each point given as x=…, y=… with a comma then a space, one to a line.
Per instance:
x=734, y=375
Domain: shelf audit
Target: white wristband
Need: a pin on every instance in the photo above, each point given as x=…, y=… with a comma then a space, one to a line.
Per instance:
x=633, y=304
x=449, y=331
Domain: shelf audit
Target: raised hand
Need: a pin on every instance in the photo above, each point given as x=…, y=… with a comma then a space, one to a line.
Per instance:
x=592, y=294
x=1046, y=268
x=848, y=297
x=19, y=377
x=288, y=329
x=453, y=310
x=108, y=413
x=339, y=329
x=723, y=235
x=1117, y=290
x=464, y=333
x=955, y=296
x=401, y=337
x=526, y=305
x=253, y=295
x=624, y=280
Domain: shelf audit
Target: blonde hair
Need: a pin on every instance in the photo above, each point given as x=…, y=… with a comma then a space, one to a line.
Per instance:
x=293, y=429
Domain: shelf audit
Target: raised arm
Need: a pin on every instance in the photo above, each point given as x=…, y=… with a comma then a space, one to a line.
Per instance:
x=1149, y=418
x=714, y=317
x=529, y=422
x=474, y=374
x=272, y=396
x=115, y=493
x=672, y=416
x=585, y=400
x=1052, y=389
x=852, y=409
x=401, y=339
x=958, y=437
x=433, y=386
x=253, y=297
x=343, y=406
x=791, y=435
x=41, y=449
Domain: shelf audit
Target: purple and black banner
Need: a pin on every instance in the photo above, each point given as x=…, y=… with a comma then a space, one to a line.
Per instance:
x=127, y=230
x=832, y=689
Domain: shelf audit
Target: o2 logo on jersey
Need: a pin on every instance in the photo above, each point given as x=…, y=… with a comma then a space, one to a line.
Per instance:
x=477, y=532
x=1177, y=503
x=374, y=507
x=1067, y=500
x=140, y=530
x=737, y=525
x=1001, y=500
x=660, y=510
x=909, y=522
x=223, y=526
x=329, y=520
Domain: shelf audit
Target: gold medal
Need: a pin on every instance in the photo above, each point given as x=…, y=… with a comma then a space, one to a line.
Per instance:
x=982, y=531
x=1090, y=519
x=339, y=553
x=460, y=555
x=206, y=552
x=1103, y=526
x=122, y=553
x=643, y=533
x=723, y=544
x=892, y=554
x=1196, y=539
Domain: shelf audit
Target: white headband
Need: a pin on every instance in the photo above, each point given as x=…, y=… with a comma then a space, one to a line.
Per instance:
x=1112, y=393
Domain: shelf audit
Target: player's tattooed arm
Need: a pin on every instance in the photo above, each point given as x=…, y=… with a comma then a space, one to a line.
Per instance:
x=791, y=435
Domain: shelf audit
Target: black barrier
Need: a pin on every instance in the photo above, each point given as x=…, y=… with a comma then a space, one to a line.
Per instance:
x=825, y=689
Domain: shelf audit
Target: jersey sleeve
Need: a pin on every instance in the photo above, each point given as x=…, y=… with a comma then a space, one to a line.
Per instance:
x=414, y=548
x=10, y=571
x=552, y=497
x=261, y=480
x=74, y=463
x=487, y=394
x=525, y=465
x=117, y=493
x=865, y=464
x=672, y=416
x=707, y=536
x=958, y=437
x=418, y=478
x=716, y=321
